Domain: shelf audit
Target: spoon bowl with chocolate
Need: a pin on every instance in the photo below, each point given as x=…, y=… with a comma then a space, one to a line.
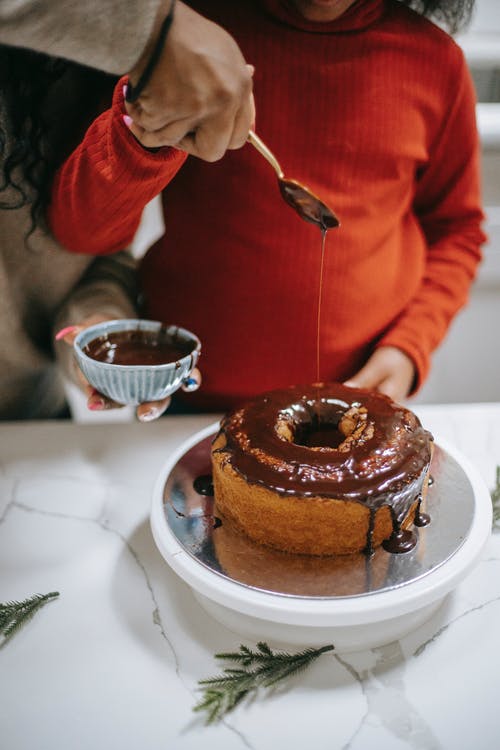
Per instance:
x=132, y=361
x=299, y=197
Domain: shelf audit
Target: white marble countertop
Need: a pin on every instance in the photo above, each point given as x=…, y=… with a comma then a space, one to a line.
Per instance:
x=114, y=661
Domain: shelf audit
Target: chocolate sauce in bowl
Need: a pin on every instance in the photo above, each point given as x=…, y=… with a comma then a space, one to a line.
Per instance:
x=138, y=347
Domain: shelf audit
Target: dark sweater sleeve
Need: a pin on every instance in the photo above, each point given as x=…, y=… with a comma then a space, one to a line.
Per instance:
x=99, y=193
x=448, y=205
x=106, y=34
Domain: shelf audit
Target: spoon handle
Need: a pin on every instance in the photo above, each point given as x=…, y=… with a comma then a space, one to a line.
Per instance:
x=261, y=147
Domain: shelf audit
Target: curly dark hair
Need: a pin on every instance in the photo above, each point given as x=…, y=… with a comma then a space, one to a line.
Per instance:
x=31, y=148
x=33, y=143
x=453, y=14
x=25, y=79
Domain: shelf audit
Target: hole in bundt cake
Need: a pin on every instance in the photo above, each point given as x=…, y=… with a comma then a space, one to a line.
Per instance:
x=326, y=423
x=318, y=434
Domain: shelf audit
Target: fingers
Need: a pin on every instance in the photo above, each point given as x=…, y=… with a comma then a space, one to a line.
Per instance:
x=204, y=107
x=394, y=387
x=68, y=334
x=197, y=140
x=390, y=385
x=151, y=410
x=146, y=412
x=246, y=114
x=389, y=371
x=97, y=401
x=207, y=137
x=371, y=375
x=239, y=135
x=199, y=97
x=168, y=135
x=193, y=382
x=208, y=140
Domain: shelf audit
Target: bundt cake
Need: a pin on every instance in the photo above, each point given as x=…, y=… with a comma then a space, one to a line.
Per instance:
x=322, y=469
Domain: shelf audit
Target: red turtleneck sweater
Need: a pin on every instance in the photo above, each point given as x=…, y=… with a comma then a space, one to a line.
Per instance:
x=375, y=113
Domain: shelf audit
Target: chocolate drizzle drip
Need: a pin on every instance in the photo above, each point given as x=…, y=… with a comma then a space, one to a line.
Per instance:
x=203, y=485
x=401, y=540
x=368, y=550
x=290, y=442
x=421, y=518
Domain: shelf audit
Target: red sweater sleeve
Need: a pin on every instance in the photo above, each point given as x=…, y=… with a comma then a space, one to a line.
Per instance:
x=99, y=193
x=448, y=204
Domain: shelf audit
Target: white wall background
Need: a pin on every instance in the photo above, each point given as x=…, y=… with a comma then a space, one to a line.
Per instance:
x=467, y=365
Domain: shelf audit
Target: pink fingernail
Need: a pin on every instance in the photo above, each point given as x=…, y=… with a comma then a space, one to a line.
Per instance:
x=124, y=91
x=127, y=120
x=64, y=332
x=95, y=404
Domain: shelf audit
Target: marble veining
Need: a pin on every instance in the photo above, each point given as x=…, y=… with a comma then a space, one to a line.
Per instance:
x=383, y=686
x=114, y=662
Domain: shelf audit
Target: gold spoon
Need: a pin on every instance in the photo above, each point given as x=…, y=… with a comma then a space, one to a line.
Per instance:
x=303, y=200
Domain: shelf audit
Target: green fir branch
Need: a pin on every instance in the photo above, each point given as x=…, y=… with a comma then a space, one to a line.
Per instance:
x=262, y=668
x=13, y=615
x=495, y=499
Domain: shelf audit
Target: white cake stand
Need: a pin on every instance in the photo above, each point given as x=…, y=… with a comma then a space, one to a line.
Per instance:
x=418, y=582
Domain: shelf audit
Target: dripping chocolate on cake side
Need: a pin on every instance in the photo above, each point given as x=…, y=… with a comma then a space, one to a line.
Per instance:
x=322, y=469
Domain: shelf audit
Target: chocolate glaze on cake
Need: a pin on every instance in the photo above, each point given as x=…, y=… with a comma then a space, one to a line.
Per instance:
x=331, y=441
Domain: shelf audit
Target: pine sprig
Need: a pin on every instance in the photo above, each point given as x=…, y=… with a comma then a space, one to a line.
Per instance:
x=13, y=615
x=263, y=668
x=495, y=499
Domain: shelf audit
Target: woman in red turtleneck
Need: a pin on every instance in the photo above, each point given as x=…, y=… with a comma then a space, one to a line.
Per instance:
x=371, y=106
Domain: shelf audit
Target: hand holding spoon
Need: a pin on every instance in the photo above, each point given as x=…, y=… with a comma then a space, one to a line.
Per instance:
x=300, y=198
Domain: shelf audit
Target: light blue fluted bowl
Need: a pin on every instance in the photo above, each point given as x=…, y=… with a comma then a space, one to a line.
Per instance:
x=135, y=384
